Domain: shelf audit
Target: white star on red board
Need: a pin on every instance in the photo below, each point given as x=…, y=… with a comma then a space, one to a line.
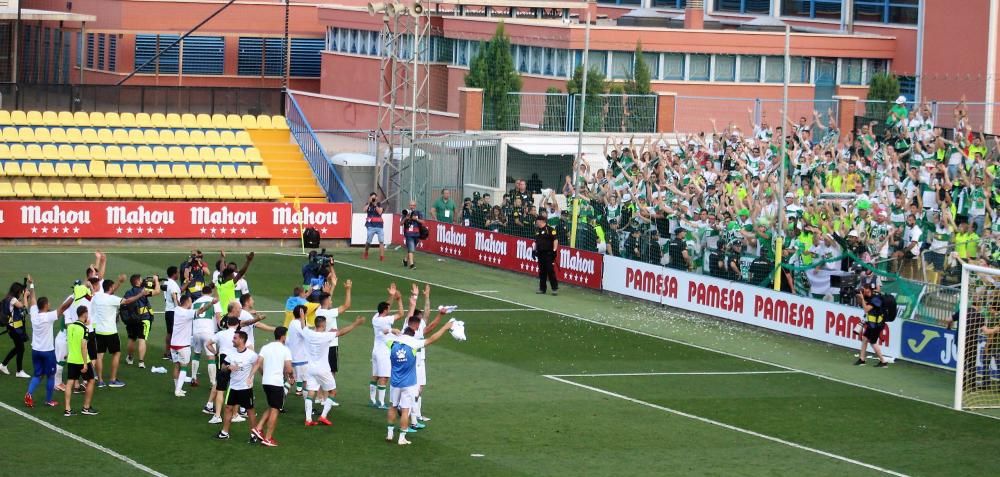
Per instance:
x=45, y=230
x=284, y=230
x=65, y=230
x=129, y=230
x=203, y=230
x=159, y=230
x=76, y=230
x=34, y=230
x=243, y=230
x=118, y=230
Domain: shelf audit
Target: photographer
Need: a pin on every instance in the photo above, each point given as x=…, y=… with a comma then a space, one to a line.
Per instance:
x=374, y=226
x=12, y=314
x=194, y=270
x=872, y=326
x=138, y=315
x=413, y=222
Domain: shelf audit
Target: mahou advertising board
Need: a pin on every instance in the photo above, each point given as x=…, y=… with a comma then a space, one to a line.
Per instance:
x=574, y=267
x=170, y=220
x=816, y=319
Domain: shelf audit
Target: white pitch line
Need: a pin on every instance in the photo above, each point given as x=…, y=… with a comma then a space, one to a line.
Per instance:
x=685, y=343
x=81, y=440
x=693, y=373
x=731, y=427
x=460, y=310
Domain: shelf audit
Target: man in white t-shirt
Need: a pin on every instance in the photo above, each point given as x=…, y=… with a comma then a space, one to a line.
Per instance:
x=43, y=350
x=250, y=319
x=180, y=340
x=240, y=364
x=423, y=327
x=381, y=365
x=275, y=364
x=104, y=313
x=221, y=346
x=206, y=324
x=81, y=296
x=319, y=377
x=171, y=296
x=327, y=311
x=296, y=343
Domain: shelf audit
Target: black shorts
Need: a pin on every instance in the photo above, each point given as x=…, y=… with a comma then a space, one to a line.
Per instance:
x=222, y=379
x=275, y=396
x=92, y=346
x=168, y=318
x=138, y=329
x=873, y=331
x=74, y=372
x=331, y=357
x=240, y=397
x=108, y=344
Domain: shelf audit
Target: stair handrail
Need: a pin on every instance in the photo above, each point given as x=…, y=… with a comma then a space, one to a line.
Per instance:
x=313, y=152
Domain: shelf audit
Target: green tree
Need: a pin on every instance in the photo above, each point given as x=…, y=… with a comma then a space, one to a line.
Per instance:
x=883, y=89
x=641, y=105
x=493, y=70
x=615, y=115
x=596, y=86
x=554, y=116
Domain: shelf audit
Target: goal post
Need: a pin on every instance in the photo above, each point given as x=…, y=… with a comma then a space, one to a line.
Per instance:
x=977, y=381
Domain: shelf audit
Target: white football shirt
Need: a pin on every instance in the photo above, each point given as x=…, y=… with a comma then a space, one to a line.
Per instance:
x=274, y=354
x=331, y=323
x=103, y=312
x=183, y=327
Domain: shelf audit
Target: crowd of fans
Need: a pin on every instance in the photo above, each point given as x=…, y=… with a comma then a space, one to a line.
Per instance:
x=901, y=195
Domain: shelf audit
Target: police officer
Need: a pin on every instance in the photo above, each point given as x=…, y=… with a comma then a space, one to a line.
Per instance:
x=545, y=248
x=139, y=316
x=873, y=325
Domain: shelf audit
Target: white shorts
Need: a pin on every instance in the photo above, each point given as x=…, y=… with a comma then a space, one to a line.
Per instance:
x=381, y=366
x=180, y=356
x=421, y=372
x=403, y=398
x=61, y=349
x=200, y=341
x=319, y=377
x=301, y=370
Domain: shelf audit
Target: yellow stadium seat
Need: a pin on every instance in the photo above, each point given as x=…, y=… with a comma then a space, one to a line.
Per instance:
x=22, y=189
x=6, y=190
x=114, y=170
x=66, y=118
x=253, y=155
x=223, y=192
x=129, y=153
x=174, y=191
x=58, y=135
x=204, y=121
x=131, y=171
x=127, y=119
x=64, y=169
x=162, y=171
x=106, y=136
x=98, y=169
x=151, y=136
x=191, y=191
x=98, y=153
x=42, y=135
x=243, y=139
x=56, y=190
x=98, y=120
x=182, y=137
x=35, y=118
x=219, y=121
x=34, y=152
x=74, y=136
x=158, y=191
x=4, y=117
x=143, y=120
x=121, y=136
x=222, y=154
x=196, y=171
x=207, y=191
x=212, y=171
x=81, y=152
x=180, y=171
x=272, y=192
x=18, y=118
x=229, y=138
x=39, y=189
x=261, y=172
x=213, y=138
x=113, y=153
x=197, y=137
x=135, y=136
x=81, y=119
x=81, y=169
x=29, y=169
x=245, y=172
x=189, y=121
x=240, y=192
x=175, y=153
x=74, y=190
x=146, y=171
x=9, y=134
x=279, y=122
x=257, y=193
x=191, y=154
x=263, y=122
x=159, y=120
x=4, y=151
x=141, y=191
x=47, y=169
x=124, y=191
x=160, y=154
x=108, y=191
x=167, y=137
x=50, y=118
x=144, y=153
x=11, y=169
x=50, y=152
x=17, y=151
x=206, y=154
x=249, y=121
x=90, y=136
x=26, y=134
x=91, y=191
x=113, y=120
x=174, y=121
x=237, y=154
x=234, y=121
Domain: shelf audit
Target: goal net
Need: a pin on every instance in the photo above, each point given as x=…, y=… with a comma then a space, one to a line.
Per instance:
x=977, y=379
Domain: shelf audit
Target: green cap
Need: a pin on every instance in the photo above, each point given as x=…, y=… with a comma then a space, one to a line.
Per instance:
x=864, y=205
x=744, y=212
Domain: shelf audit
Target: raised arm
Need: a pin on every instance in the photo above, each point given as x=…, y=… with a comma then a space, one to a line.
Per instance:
x=347, y=298
x=444, y=329
x=246, y=266
x=29, y=292
x=347, y=329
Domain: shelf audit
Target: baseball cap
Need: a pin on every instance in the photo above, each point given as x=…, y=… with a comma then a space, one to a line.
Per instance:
x=853, y=233
x=789, y=195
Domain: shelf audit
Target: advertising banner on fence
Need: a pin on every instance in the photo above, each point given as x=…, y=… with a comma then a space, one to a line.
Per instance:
x=170, y=220
x=818, y=320
x=359, y=234
x=929, y=344
x=574, y=267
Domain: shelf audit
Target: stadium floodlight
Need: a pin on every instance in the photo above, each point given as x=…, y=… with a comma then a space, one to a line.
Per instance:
x=375, y=8
x=977, y=377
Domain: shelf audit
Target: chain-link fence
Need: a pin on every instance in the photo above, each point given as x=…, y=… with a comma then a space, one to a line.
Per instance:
x=695, y=114
x=462, y=164
x=612, y=113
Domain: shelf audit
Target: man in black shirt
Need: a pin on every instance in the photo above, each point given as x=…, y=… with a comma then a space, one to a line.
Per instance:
x=545, y=248
x=679, y=257
x=613, y=238
x=139, y=317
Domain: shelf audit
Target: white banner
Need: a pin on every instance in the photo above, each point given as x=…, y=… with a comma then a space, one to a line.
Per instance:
x=359, y=234
x=815, y=319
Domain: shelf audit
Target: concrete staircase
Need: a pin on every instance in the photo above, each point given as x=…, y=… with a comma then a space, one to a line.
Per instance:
x=288, y=167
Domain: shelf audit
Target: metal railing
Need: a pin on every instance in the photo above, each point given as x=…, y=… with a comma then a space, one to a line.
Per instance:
x=694, y=114
x=612, y=113
x=314, y=153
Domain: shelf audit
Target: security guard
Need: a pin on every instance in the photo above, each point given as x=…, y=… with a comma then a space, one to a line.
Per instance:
x=545, y=248
x=138, y=317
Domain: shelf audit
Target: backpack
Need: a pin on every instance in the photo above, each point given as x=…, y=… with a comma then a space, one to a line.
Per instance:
x=424, y=232
x=889, y=309
x=5, y=314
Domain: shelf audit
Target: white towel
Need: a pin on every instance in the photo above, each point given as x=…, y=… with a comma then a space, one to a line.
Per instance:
x=446, y=309
x=458, y=330
x=158, y=370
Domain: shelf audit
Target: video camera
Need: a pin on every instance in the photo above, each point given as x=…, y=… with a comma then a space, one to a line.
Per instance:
x=319, y=265
x=321, y=260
